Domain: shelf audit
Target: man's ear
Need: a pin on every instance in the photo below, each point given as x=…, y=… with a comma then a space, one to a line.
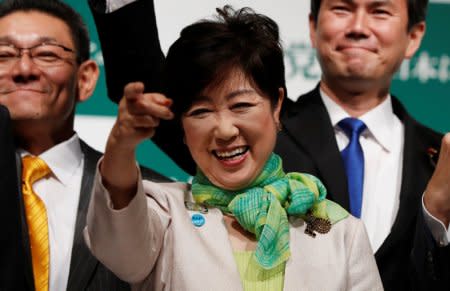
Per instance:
x=415, y=35
x=88, y=73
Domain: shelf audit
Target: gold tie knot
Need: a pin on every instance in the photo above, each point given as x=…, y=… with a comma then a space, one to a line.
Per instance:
x=34, y=168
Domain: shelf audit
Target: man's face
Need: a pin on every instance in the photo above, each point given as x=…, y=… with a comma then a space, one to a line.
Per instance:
x=363, y=40
x=37, y=92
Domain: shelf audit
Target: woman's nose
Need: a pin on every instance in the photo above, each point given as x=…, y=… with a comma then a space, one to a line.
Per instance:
x=225, y=129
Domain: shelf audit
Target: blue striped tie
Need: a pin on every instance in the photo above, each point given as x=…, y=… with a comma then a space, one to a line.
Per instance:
x=353, y=158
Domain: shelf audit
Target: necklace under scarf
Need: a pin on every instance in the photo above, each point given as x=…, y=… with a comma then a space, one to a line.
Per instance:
x=262, y=207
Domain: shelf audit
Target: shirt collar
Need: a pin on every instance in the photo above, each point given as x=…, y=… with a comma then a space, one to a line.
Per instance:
x=379, y=120
x=63, y=159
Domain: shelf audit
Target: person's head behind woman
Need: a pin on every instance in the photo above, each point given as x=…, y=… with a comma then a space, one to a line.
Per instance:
x=226, y=78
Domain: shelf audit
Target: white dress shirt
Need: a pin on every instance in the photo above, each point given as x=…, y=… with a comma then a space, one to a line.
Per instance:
x=60, y=193
x=382, y=143
x=440, y=233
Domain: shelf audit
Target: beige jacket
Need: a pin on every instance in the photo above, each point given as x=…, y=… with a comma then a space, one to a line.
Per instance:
x=153, y=244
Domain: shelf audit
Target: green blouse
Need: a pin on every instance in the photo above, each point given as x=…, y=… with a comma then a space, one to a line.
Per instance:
x=255, y=278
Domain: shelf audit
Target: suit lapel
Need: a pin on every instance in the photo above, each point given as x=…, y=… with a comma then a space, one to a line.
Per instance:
x=211, y=241
x=83, y=264
x=416, y=171
x=309, y=125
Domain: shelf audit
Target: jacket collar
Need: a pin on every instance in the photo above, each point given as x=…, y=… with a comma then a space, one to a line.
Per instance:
x=307, y=122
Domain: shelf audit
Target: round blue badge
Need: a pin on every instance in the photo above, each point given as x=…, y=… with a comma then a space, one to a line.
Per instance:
x=198, y=220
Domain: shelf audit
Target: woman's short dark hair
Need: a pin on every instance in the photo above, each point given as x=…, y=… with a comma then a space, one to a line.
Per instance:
x=417, y=10
x=60, y=10
x=208, y=51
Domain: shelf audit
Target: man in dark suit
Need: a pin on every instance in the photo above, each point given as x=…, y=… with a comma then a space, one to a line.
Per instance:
x=12, y=272
x=44, y=72
x=360, y=44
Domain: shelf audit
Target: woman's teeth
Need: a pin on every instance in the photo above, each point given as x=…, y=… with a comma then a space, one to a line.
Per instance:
x=231, y=154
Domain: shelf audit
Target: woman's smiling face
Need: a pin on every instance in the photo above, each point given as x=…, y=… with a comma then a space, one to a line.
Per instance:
x=231, y=130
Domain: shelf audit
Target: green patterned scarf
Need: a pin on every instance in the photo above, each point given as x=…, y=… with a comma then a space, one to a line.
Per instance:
x=262, y=208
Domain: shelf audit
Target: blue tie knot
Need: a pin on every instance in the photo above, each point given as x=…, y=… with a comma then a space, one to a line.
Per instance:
x=352, y=126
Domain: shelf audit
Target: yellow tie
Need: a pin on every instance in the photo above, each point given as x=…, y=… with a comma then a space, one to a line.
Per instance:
x=34, y=169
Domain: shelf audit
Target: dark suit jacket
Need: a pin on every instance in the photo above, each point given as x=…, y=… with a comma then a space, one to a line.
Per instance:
x=408, y=258
x=86, y=272
x=132, y=52
x=132, y=33
x=12, y=255
x=308, y=144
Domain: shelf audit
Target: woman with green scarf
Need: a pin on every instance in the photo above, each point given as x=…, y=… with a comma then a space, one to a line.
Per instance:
x=243, y=224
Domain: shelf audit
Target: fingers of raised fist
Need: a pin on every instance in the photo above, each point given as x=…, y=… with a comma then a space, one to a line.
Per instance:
x=140, y=103
x=140, y=114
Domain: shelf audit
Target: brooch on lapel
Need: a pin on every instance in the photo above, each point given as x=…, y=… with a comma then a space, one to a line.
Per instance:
x=314, y=224
x=197, y=219
x=433, y=154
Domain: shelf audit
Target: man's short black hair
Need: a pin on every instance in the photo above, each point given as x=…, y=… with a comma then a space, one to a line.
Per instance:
x=59, y=10
x=417, y=10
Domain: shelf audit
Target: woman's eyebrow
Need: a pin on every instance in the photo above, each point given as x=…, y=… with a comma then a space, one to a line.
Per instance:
x=236, y=93
x=231, y=95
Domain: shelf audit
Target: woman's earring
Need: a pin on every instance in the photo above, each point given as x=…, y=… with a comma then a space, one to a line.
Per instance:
x=279, y=126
